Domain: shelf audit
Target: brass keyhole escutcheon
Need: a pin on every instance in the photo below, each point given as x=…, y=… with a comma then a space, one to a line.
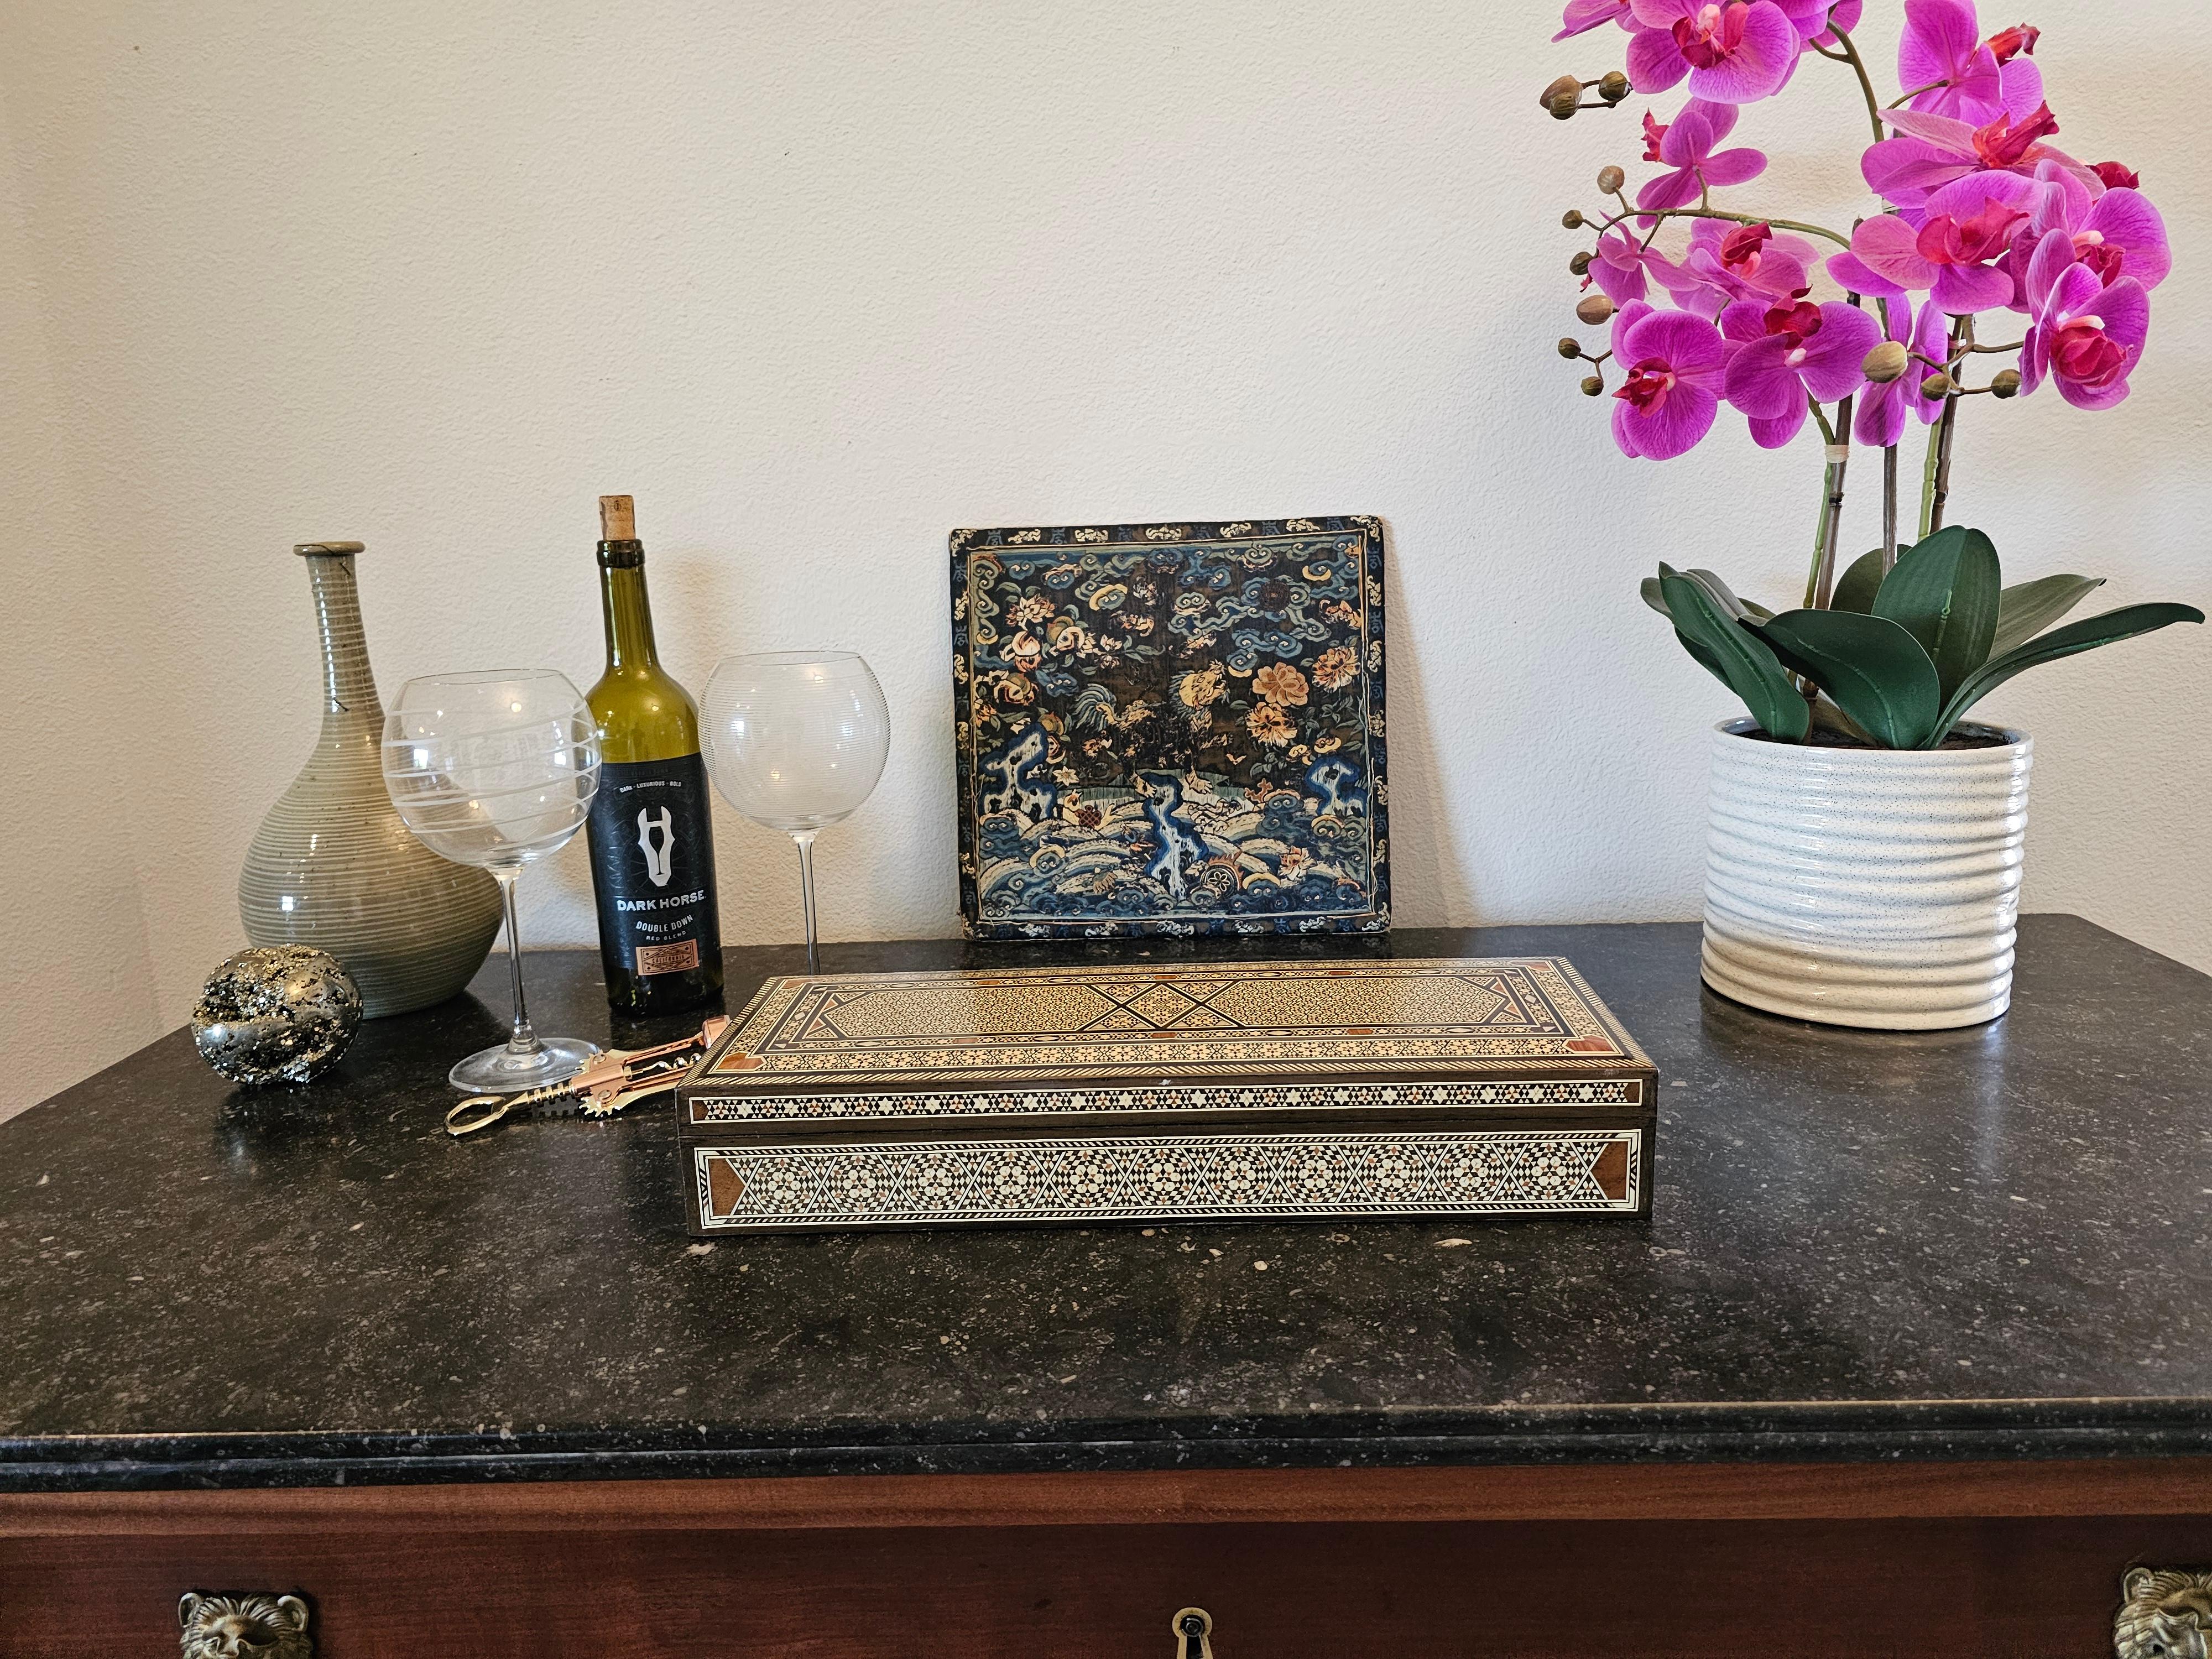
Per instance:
x=1193, y=1633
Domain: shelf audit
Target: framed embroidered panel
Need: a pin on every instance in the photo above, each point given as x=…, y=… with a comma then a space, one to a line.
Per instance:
x=1171, y=729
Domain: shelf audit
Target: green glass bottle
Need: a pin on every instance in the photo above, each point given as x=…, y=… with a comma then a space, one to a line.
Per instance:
x=651, y=828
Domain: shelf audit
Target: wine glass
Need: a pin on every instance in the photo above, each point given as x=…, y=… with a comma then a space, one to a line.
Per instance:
x=796, y=740
x=497, y=770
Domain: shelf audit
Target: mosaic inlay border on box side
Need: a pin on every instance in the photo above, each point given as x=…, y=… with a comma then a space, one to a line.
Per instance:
x=1196, y=1097
x=1165, y=1178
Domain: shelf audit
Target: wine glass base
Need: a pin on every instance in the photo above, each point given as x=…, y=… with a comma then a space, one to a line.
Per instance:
x=498, y=1072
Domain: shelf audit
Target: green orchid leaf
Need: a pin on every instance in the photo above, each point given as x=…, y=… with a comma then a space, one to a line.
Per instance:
x=1717, y=590
x=1737, y=656
x=2086, y=635
x=1856, y=587
x=1875, y=671
x=1943, y=592
x=1705, y=659
x=2025, y=609
x=1657, y=601
x=1827, y=717
x=1720, y=593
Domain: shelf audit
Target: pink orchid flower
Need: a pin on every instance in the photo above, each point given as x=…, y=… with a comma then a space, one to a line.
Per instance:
x=1949, y=256
x=1881, y=411
x=1733, y=52
x=1980, y=79
x=1687, y=144
x=1935, y=150
x=2085, y=336
x=2115, y=233
x=1817, y=21
x=1621, y=264
x=1727, y=263
x=1675, y=362
x=1788, y=352
x=1583, y=15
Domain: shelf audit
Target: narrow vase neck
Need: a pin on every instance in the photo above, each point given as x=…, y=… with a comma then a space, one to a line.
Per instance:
x=348, y=685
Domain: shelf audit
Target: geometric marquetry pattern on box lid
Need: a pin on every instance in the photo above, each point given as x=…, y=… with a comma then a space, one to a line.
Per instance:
x=1440, y=1017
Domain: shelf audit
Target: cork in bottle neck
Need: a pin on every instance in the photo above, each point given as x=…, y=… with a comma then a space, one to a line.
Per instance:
x=619, y=547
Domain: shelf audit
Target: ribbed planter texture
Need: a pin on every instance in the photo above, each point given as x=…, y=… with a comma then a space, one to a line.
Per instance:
x=332, y=865
x=1865, y=887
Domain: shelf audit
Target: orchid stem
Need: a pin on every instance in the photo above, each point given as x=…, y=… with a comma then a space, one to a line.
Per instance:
x=1889, y=509
x=1734, y=218
x=1940, y=493
x=1819, y=544
x=1935, y=481
x=1928, y=480
x=1820, y=581
x=1866, y=84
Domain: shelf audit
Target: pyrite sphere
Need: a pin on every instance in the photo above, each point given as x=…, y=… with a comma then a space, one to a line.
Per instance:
x=277, y=1014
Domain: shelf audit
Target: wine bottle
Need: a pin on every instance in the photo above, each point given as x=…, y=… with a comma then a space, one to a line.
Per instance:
x=650, y=832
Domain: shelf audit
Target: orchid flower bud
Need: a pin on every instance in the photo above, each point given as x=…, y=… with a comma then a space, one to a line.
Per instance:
x=1580, y=263
x=1572, y=218
x=1886, y=362
x=1594, y=386
x=1562, y=97
x=1593, y=309
x=1570, y=347
x=1613, y=86
x=1610, y=180
x=2005, y=383
x=1937, y=385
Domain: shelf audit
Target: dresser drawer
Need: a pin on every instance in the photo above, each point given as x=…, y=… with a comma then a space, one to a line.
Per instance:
x=588, y=1571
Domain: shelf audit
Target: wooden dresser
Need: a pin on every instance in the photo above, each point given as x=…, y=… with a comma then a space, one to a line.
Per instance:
x=1914, y=1357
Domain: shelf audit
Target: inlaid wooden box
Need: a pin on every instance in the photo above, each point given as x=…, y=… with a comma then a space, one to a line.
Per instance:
x=1315, y=1091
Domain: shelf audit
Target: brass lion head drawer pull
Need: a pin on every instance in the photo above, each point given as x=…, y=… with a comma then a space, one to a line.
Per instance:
x=1193, y=1633
x=244, y=1626
x=2164, y=1614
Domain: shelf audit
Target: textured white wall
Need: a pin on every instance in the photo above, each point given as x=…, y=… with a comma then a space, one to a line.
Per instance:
x=818, y=282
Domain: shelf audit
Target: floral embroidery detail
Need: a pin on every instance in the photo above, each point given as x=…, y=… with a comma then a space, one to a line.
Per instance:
x=1335, y=668
x=1279, y=683
x=1270, y=725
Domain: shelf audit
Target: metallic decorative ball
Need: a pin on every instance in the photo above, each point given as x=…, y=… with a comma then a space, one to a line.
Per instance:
x=277, y=1014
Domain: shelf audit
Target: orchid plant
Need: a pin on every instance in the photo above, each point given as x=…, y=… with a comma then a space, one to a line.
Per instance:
x=1978, y=215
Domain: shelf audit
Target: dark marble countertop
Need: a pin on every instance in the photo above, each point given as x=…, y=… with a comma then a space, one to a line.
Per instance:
x=1995, y=1243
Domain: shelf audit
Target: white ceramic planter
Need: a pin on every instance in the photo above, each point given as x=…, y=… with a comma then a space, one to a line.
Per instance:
x=1865, y=887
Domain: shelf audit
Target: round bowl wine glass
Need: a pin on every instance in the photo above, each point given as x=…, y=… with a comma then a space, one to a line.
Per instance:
x=497, y=770
x=796, y=740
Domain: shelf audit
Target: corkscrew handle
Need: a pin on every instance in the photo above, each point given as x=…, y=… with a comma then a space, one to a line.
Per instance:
x=482, y=1111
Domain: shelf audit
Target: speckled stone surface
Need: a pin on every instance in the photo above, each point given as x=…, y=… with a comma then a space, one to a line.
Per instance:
x=1994, y=1242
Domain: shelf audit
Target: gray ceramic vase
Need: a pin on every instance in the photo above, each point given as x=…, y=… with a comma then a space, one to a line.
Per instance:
x=333, y=866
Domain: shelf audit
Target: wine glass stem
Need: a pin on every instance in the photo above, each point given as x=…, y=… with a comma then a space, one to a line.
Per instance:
x=523, y=1040
x=806, y=840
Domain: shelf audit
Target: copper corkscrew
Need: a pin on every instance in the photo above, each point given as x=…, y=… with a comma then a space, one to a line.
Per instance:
x=614, y=1081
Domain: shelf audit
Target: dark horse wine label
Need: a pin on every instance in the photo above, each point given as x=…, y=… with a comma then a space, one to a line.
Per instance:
x=653, y=866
